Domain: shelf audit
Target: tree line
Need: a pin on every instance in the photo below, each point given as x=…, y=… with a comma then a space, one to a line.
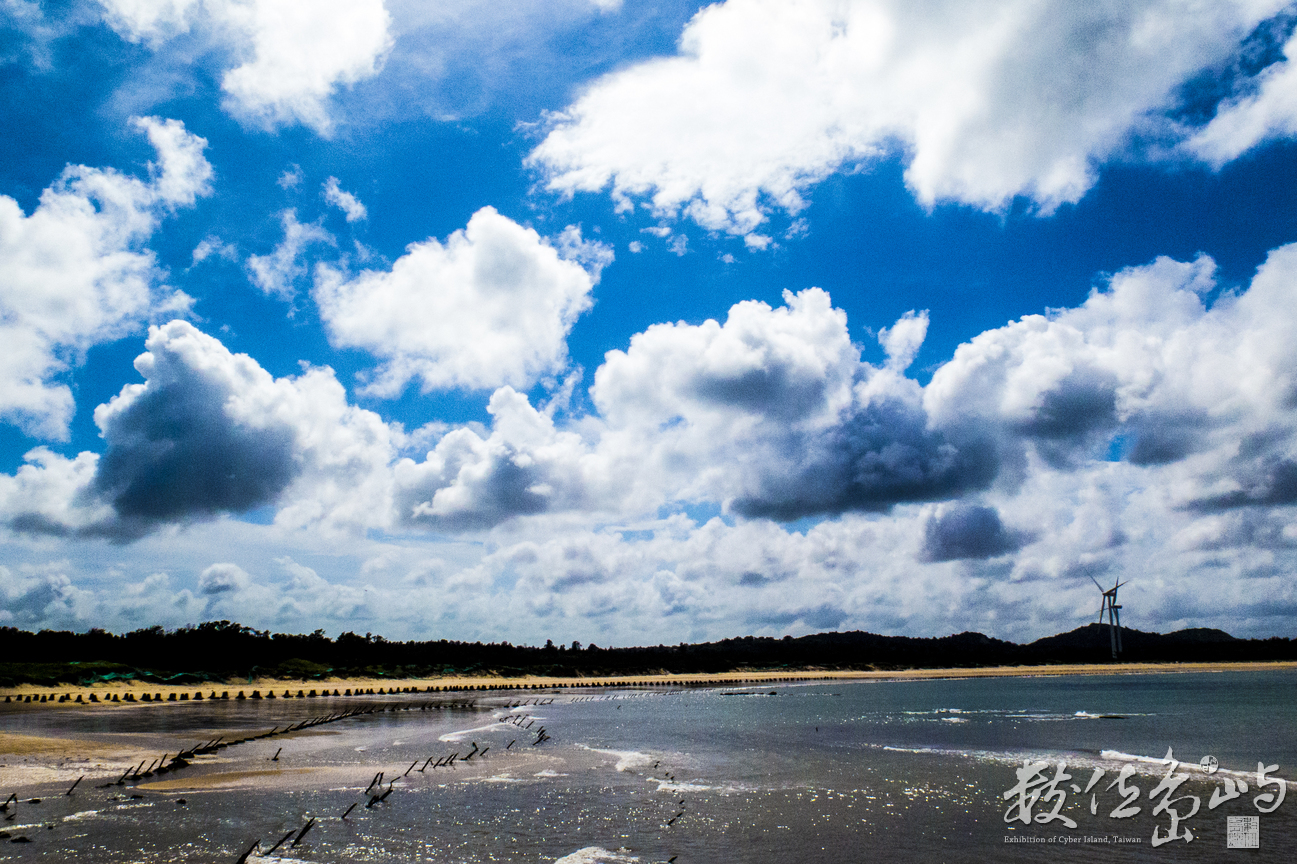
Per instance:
x=222, y=650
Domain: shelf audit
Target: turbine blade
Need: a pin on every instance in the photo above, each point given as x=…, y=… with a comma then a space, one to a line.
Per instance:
x=1096, y=582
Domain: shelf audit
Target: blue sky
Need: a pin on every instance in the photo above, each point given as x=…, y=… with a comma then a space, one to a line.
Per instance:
x=647, y=322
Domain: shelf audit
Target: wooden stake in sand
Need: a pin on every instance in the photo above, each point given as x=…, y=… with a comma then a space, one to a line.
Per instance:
x=74, y=785
x=298, y=838
x=271, y=850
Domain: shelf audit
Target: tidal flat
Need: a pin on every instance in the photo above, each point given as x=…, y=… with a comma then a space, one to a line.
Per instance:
x=849, y=769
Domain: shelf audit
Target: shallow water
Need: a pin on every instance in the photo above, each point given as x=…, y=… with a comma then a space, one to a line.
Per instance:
x=848, y=771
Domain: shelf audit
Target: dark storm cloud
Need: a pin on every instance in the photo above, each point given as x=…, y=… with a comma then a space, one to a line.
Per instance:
x=825, y=616
x=1273, y=483
x=116, y=530
x=1164, y=442
x=774, y=390
x=882, y=456
x=968, y=531
x=204, y=435
x=1071, y=417
x=174, y=453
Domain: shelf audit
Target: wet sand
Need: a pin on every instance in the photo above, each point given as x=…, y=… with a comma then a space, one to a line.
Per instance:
x=39, y=746
x=758, y=779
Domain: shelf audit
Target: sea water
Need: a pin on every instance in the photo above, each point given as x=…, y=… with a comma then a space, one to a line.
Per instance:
x=914, y=770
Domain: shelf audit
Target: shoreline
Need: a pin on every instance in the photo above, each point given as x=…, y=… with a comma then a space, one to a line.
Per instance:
x=58, y=754
x=124, y=693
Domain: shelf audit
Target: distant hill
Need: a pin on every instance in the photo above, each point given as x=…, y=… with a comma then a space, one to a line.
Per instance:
x=1096, y=636
x=1196, y=644
x=220, y=650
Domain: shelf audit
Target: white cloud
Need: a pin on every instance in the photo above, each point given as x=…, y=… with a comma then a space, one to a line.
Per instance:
x=344, y=201
x=901, y=342
x=524, y=466
x=77, y=272
x=300, y=53
x=986, y=100
x=222, y=578
x=290, y=178
x=213, y=245
x=277, y=273
x=50, y=494
x=28, y=30
x=491, y=306
x=150, y=21
x=982, y=501
x=796, y=362
x=774, y=414
x=1268, y=112
x=1147, y=359
x=209, y=433
x=32, y=596
x=671, y=579
x=771, y=414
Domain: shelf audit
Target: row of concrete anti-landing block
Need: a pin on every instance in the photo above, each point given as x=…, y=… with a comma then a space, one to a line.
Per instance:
x=175, y=696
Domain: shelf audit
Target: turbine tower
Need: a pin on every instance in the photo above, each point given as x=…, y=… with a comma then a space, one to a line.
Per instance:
x=1109, y=605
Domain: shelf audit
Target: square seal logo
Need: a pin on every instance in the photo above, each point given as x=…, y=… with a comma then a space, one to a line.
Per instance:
x=1243, y=832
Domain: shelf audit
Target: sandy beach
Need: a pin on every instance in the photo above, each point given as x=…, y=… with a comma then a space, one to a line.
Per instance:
x=117, y=693
x=60, y=756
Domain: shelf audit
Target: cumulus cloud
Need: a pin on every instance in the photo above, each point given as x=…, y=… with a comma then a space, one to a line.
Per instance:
x=524, y=466
x=277, y=273
x=1206, y=392
x=987, y=101
x=490, y=306
x=31, y=597
x=775, y=411
x=673, y=579
x=298, y=55
x=884, y=454
x=774, y=414
x=175, y=449
x=1267, y=111
x=209, y=432
x=346, y=202
x=77, y=272
x=1151, y=430
x=223, y=578
x=796, y=362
